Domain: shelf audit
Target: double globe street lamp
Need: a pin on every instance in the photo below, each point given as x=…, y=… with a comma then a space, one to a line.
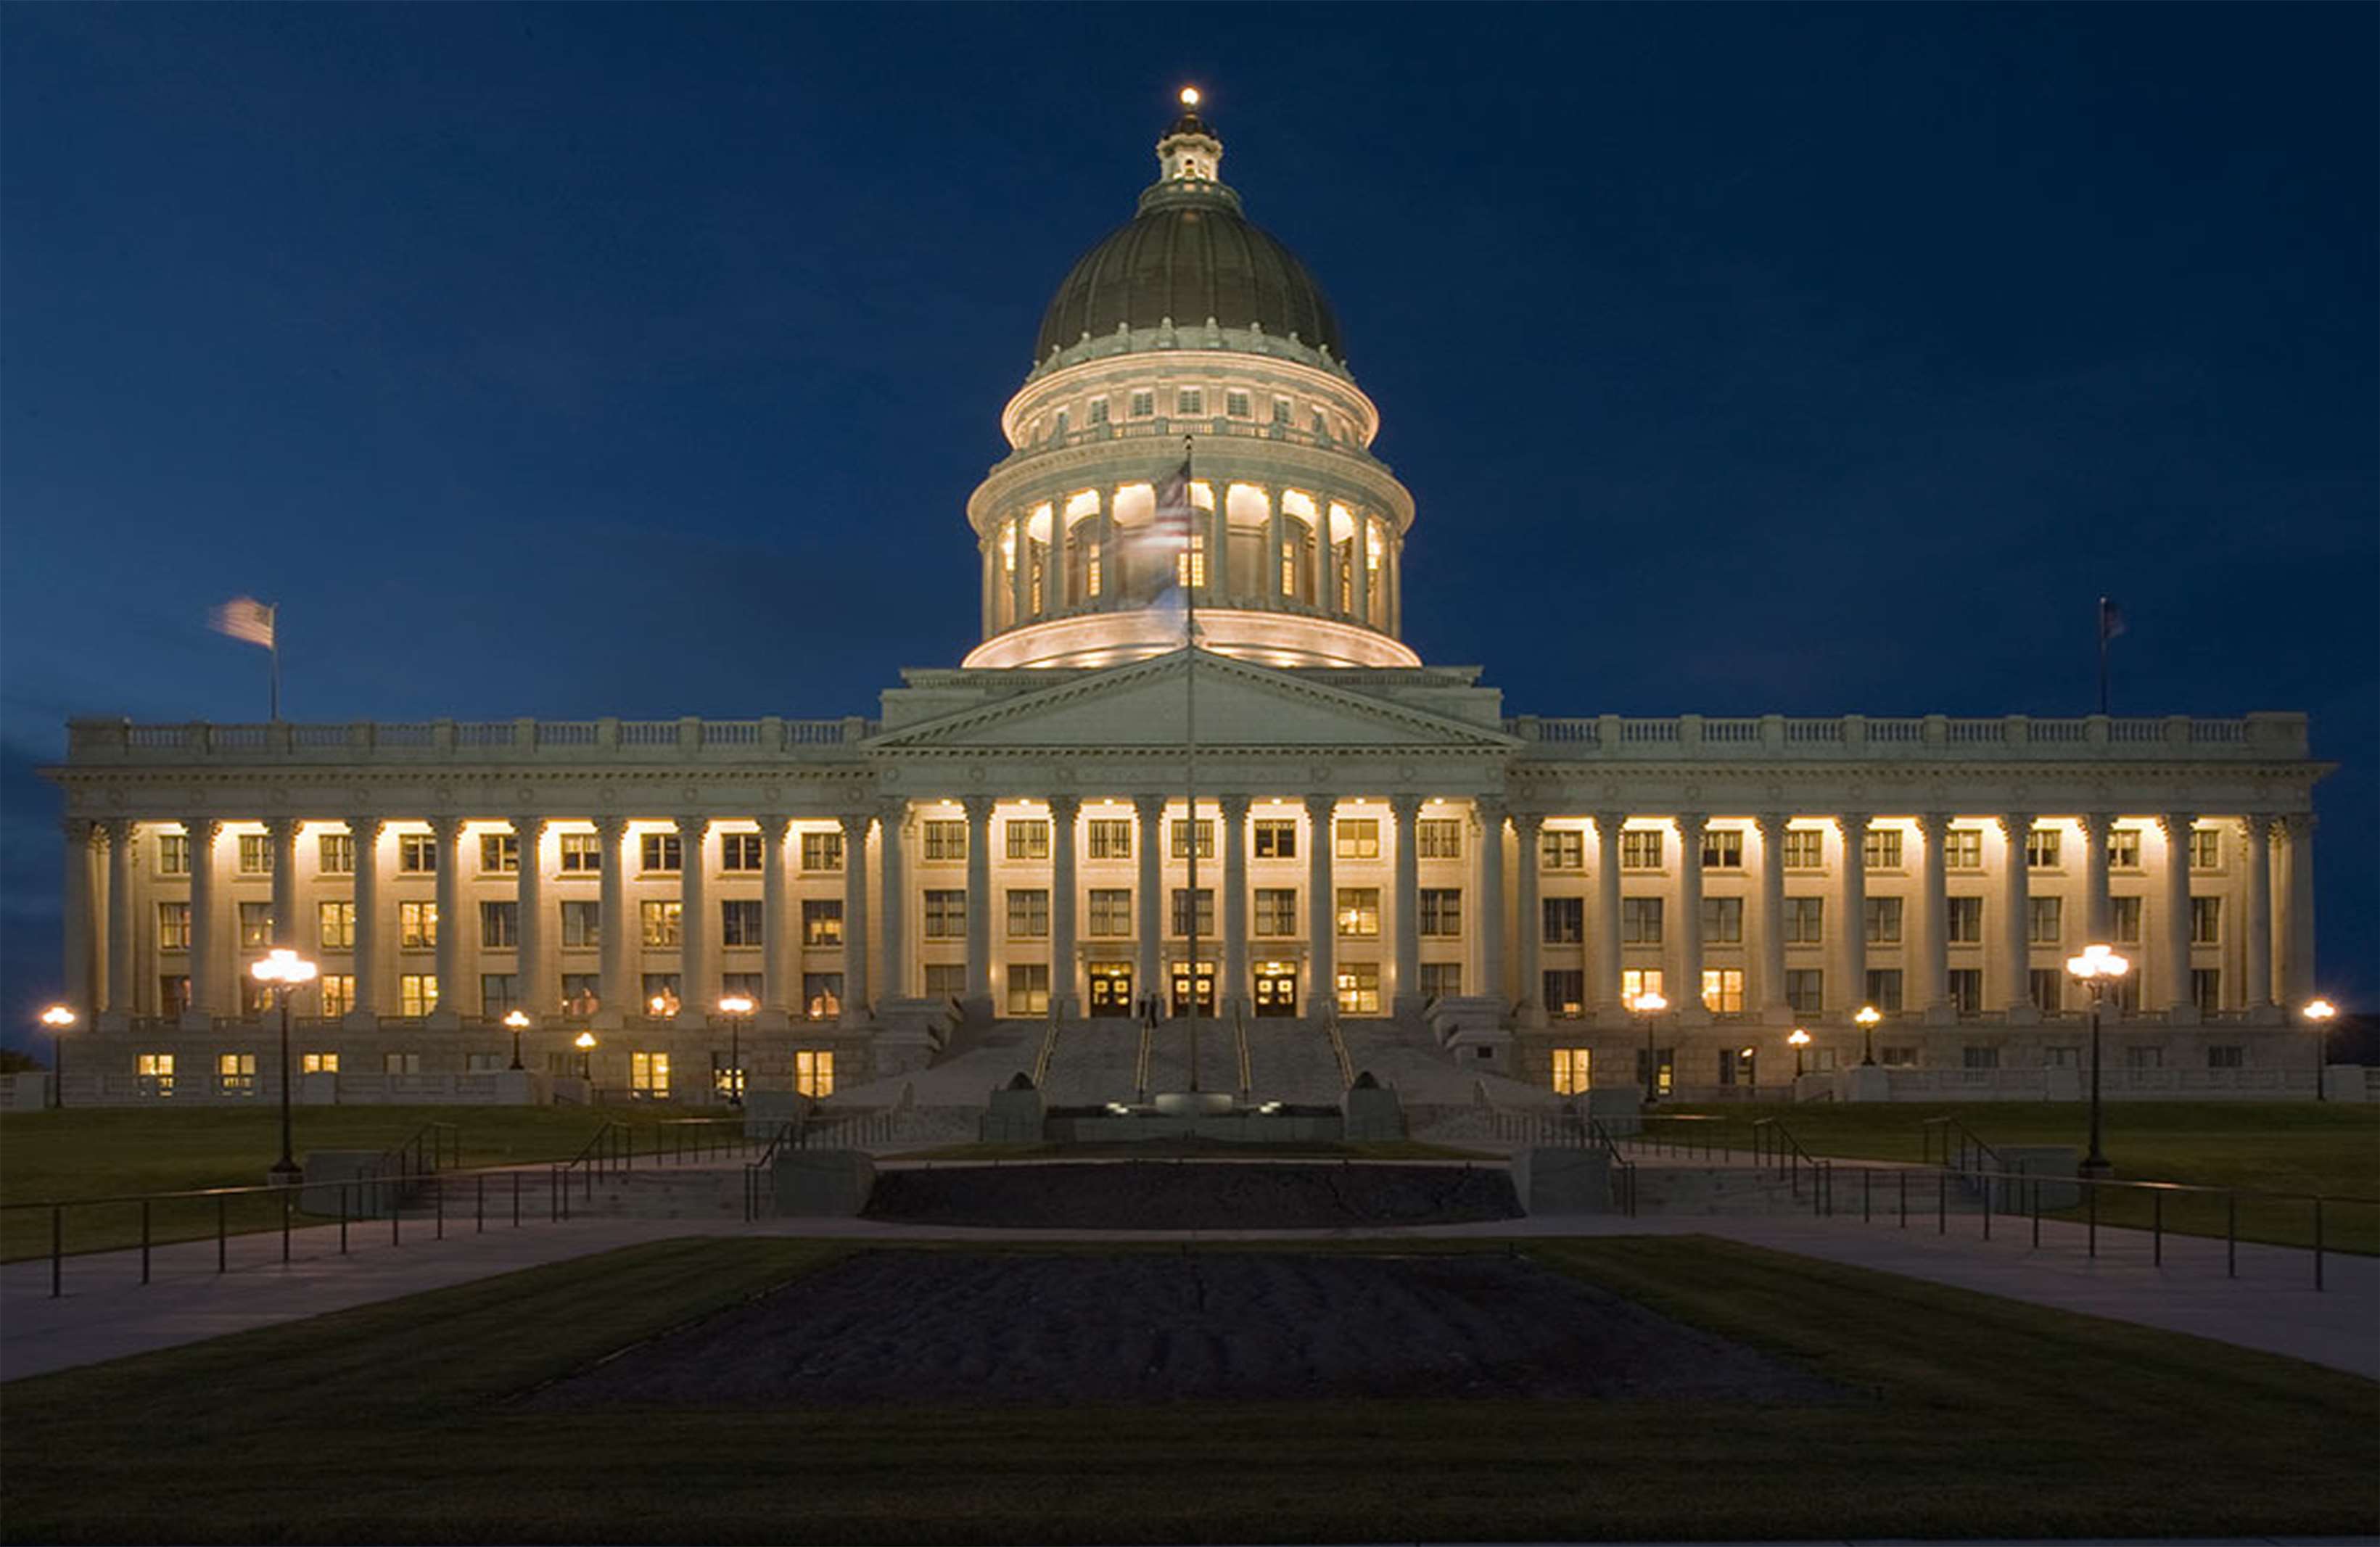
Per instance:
x=60, y=1020
x=1798, y=1041
x=2098, y=969
x=282, y=972
x=516, y=1022
x=2318, y=1014
x=1867, y=1019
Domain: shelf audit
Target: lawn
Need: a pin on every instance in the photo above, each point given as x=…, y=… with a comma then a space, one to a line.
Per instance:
x=1968, y=1416
x=115, y=1151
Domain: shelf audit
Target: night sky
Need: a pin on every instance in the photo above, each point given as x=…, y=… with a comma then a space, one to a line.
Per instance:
x=638, y=361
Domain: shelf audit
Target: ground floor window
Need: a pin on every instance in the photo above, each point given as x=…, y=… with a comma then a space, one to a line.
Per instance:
x=1979, y=1057
x=727, y=1078
x=2060, y=1057
x=1966, y=990
x=945, y=980
x=1723, y=990
x=1574, y=1068
x=155, y=1071
x=1739, y=1066
x=318, y=1063
x=400, y=1063
x=1028, y=987
x=1359, y=988
x=417, y=993
x=482, y=1063
x=822, y=995
x=1637, y=982
x=235, y=1073
x=1441, y=979
x=2144, y=1057
x=1565, y=993
x=2227, y=1056
x=1658, y=1065
x=1897, y=1058
x=814, y=1072
x=648, y=1076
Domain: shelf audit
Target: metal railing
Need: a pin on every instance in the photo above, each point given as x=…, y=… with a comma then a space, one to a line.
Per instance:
x=1240, y=1040
x=1774, y=1144
x=611, y=1149
x=1624, y=1170
x=1049, y=1051
x=762, y=1170
x=1339, y=1048
x=1957, y=1148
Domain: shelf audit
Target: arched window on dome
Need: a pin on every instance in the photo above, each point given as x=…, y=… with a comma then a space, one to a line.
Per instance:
x=1298, y=546
x=1085, y=561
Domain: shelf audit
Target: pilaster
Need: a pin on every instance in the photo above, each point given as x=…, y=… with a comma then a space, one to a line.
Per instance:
x=1321, y=904
x=121, y=1002
x=978, y=903
x=1768, y=920
x=1065, y=813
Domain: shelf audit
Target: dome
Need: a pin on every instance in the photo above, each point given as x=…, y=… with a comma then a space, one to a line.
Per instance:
x=1189, y=255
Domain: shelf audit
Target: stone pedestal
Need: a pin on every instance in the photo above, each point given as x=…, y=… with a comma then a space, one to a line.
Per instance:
x=1864, y=1082
x=1562, y=1180
x=2345, y=1082
x=823, y=1184
x=1013, y=1116
x=1372, y=1112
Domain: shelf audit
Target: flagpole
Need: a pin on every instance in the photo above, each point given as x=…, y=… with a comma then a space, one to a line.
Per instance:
x=1190, y=735
x=274, y=649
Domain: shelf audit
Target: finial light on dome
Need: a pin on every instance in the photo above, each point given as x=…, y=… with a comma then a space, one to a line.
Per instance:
x=1189, y=96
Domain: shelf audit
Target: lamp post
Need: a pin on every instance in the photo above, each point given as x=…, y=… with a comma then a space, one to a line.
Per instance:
x=1868, y=1019
x=2318, y=1013
x=60, y=1020
x=2096, y=970
x=1752, y=1074
x=738, y=1009
x=663, y=1005
x=1798, y=1041
x=516, y=1022
x=1649, y=1005
x=281, y=972
x=585, y=1042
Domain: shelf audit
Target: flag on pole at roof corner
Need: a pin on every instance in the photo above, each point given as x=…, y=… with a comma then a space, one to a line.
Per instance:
x=244, y=618
x=1153, y=552
x=2111, y=620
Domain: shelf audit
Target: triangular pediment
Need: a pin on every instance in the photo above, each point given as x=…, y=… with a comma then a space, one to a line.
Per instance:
x=1147, y=703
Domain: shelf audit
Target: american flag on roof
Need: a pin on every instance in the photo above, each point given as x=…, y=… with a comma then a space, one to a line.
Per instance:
x=244, y=618
x=1174, y=520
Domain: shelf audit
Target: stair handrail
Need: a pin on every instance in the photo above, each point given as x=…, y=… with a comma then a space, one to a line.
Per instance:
x=1049, y=1050
x=1140, y=1061
x=1945, y=1132
x=442, y=1141
x=610, y=1147
x=1624, y=1170
x=1240, y=1037
x=1339, y=1046
x=786, y=1135
x=1772, y=1140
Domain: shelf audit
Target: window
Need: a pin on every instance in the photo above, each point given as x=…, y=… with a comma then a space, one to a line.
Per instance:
x=1441, y=912
x=1967, y=990
x=172, y=853
x=2124, y=919
x=1637, y=982
x=823, y=850
x=499, y=853
x=1189, y=402
x=582, y=924
x=2207, y=989
x=1722, y=921
x=400, y=1063
x=1805, y=990
x=1963, y=925
x=1723, y=851
x=1276, y=914
x=1640, y=847
x=2205, y=849
x=814, y=1072
x=739, y=850
x=255, y=924
x=335, y=925
x=581, y=989
x=663, y=922
x=499, y=994
x=1028, y=989
x=1205, y=919
x=659, y=854
x=1640, y=921
x=1657, y=1068
x=821, y=921
x=1962, y=849
x=1144, y=404
x=2123, y=848
x=1805, y=848
x=1110, y=914
x=1441, y=979
x=337, y=993
x=1438, y=837
x=1562, y=849
x=1883, y=921
x=1572, y=1066
x=1565, y=993
x=1029, y=912
x=1281, y=409
x=173, y=993
x=1236, y=404
x=499, y=925
x=649, y=1075
x=1979, y=1056
x=946, y=915
x=1565, y=920
x=2047, y=987
x=417, y=925
x=1321, y=424
x=318, y=1063
x=2205, y=921
x=1028, y=838
x=739, y=922
x=173, y=926
x=945, y=841
x=749, y=985
x=1806, y=921
x=1723, y=990
x=1180, y=838
x=582, y=853
x=1358, y=838
x=155, y=1071
x=945, y=980
x=1884, y=989
x=1063, y=422
x=1359, y=913
x=482, y=1063
x=416, y=853
x=254, y=997
x=661, y=986
x=1359, y=988
x=2144, y=1057
x=1110, y=837
x=1276, y=839
x=2045, y=920
x=1881, y=848
x=1095, y=411
x=417, y=993
x=822, y=992
x=235, y=1073
x=335, y=854
x=2226, y=1056
x=2041, y=848
x=256, y=854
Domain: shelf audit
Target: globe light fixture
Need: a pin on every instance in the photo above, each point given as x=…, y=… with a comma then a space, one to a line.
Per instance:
x=662, y=1004
x=1645, y=1006
x=738, y=1009
x=1189, y=96
x=585, y=1042
x=1867, y=1019
x=2098, y=969
x=282, y=971
x=2318, y=1014
x=516, y=1022
x=60, y=1020
x=1799, y=1040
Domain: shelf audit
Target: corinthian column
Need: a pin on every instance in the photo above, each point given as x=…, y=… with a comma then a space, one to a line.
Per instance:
x=1490, y=812
x=206, y=926
x=1321, y=908
x=893, y=821
x=2173, y=962
x=120, y=1005
x=2258, y=945
x=617, y=940
x=81, y=972
x=445, y=833
x=857, y=999
x=1406, y=811
x=1934, y=928
x=2097, y=911
x=1065, y=811
x=1234, y=997
x=540, y=991
x=1148, y=922
x=1603, y=921
x=1850, y=928
x=1688, y=993
x=2014, y=991
x=1768, y=923
x=363, y=835
x=2296, y=950
x=779, y=987
x=978, y=904
x=1529, y=1004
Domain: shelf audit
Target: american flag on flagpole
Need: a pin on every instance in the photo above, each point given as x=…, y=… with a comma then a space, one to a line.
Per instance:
x=1174, y=520
x=244, y=618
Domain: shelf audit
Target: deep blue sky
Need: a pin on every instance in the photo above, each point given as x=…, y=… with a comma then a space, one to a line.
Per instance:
x=638, y=361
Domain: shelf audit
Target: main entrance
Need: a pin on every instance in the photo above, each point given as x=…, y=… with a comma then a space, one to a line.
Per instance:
x=1110, y=987
x=1181, y=971
x=1276, y=989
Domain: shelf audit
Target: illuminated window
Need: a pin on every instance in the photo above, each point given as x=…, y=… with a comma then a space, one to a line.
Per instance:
x=1028, y=838
x=1805, y=990
x=2205, y=921
x=1640, y=921
x=318, y=1063
x=1572, y=1071
x=255, y=853
x=1962, y=849
x=659, y=854
x=1805, y=848
x=416, y=853
x=1441, y=979
x=1723, y=990
x=2205, y=849
x=172, y=853
x=582, y=853
x=1722, y=921
x=1565, y=920
x=1206, y=915
x=1640, y=847
x=2041, y=848
x=1883, y=921
x=1276, y=839
x=499, y=853
x=1109, y=838
x=749, y=985
x=1180, y=838
x=1236, y=404
x=2124, y=920
x=945, y=915
x=1963, y=923
x=235, y=1073
x=1190, y=565
x=338, y=994
x=739, y=850
x=1028, y=989
x=944, y=840
x=173, y=994
x=814, y=1072
x=1806, y=921
x=1028, y=914
x=649, y=1075
x=1144, y=404
x=1276, y=912
x=1637, y=982
x=1438, y=838
x=665, y=987
x=1881, y=848
x=255, y=924
x=336, y=922
x=1189, y=402
x=1359, y=988
x=739, y=922
x=582, y=992
x=499, y=925
x=335, y=854
x=1358, y=838
x=1441, y=912
x=417, y=993
x=2045, y=920
x=173, y=926
x=1359, y=913
x=2124, y=848
x=417, y=925
x=1562, y=848
x=582, y=924
x=1723, y=849
x=1111, y=912
x=155, y=1072
x=663, y=922
x=823, y=850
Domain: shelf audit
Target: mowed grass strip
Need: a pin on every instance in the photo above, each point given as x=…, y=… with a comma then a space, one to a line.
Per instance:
x=1968, y=1416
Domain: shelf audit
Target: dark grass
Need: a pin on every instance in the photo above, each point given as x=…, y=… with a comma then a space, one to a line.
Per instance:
x=1972, y=1416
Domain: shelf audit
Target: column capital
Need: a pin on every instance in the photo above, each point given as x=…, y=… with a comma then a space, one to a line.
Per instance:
x=1934, y=823
x=977, y=807
x=119, y=829
x=1771, y=824
x=83, y=828
x=2260, y=824
x=1148, y=808
x=1491, y=810
x=1608, y=823
x=774, y=825
x=527, y=827
x=1233, y=808
x=2015, y=826
x=2297, y=824
x=1854, y=821
x=2176, y=824
x=1065, y=808
x=694, y=827
x=444, y=826
x=1321, y=807
x=1691, y=822
x=2097, y=822
x=1528, y=823
x=1404, y=808
x=366, y=830
x=854, y=827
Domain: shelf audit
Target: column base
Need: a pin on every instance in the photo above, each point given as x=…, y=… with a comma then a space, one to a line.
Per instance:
x=361, y=1020
x=1941, y=1013
x=773, y=1020
x=443, y=1020
x=2026, y=1014
x=111, y=1020
x=1777, y=1015
x=607, y=1018
x=2266, y=1015
x=1693, y=1015
x=197, y=1021
x=2183, y=1015
x=1069, y=1008
x=691, y=1020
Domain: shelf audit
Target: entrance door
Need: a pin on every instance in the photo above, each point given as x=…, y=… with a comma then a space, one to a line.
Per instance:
x=1110, y=987
x=1181, y=971
x=1276, y=989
